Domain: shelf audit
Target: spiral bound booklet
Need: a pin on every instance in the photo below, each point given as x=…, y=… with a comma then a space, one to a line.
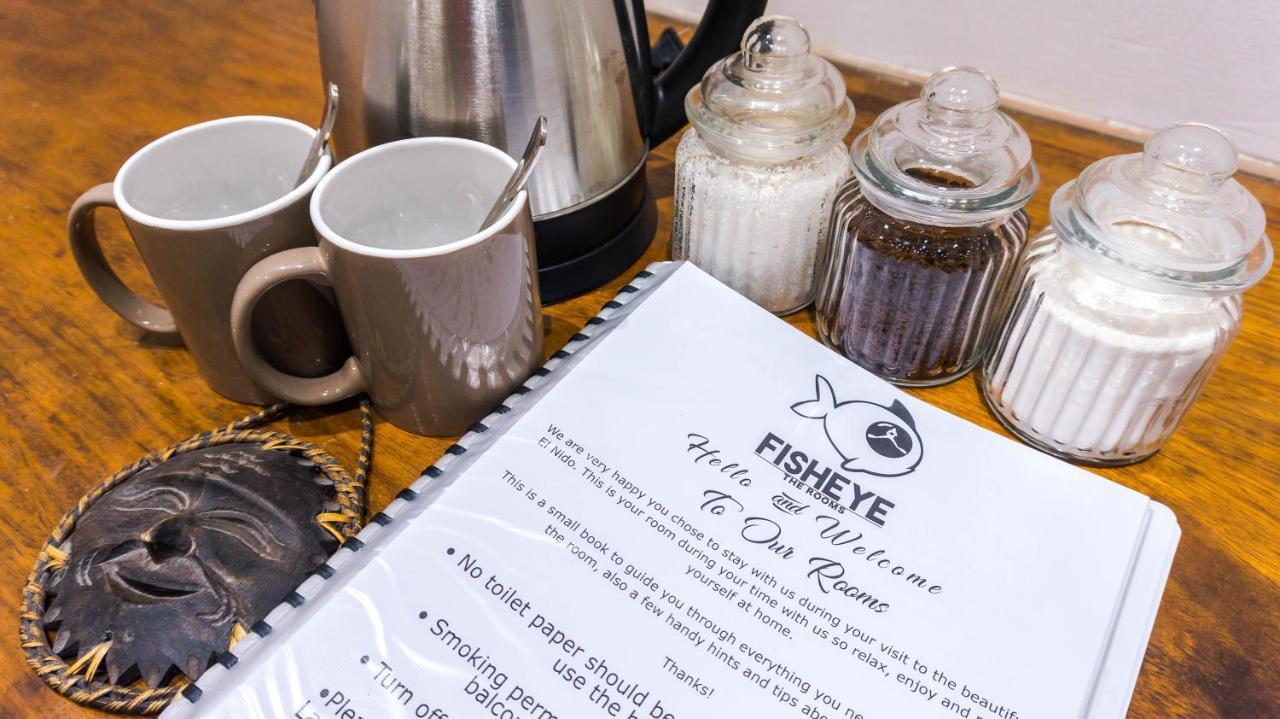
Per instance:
x=693, y=511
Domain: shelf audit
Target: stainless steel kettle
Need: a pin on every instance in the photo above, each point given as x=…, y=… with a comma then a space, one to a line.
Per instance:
x=485, y=69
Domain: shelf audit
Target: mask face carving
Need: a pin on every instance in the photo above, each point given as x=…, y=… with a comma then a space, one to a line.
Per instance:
x=168, y=562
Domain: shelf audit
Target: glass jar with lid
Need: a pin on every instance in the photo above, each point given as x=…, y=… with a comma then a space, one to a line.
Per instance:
x=1127, y=301
x=926, y=231
x=756, y=173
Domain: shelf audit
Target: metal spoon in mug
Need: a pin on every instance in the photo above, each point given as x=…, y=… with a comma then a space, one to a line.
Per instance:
x=316, y=151
x=519, y=178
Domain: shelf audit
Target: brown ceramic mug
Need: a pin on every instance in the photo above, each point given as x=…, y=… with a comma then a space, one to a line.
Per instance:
x=203, y=204
x=444, y=321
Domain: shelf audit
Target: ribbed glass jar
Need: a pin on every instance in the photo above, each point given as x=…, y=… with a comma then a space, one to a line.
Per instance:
x=1095, y=370
x=1125, y=304
x=756, y=172
x=908, y=301
x=926, y=232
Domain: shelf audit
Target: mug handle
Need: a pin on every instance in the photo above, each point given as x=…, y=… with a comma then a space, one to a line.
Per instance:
x=82, y=233
x=301, y=263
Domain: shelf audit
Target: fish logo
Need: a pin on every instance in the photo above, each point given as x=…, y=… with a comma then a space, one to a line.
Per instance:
x=869, y=437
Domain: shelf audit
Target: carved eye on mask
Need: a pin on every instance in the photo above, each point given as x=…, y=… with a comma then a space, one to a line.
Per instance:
x=168, y=562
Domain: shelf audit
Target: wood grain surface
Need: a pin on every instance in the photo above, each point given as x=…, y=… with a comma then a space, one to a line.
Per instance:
x=84, y=84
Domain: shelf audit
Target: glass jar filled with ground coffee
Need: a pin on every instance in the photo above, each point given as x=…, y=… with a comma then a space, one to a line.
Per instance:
x=757, y=171
x=1125, y=303
x=926, y=231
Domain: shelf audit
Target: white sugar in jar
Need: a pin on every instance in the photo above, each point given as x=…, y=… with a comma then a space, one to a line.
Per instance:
x=1103, y=369
x=756, y=174
x=1127, y=302
x=756, y=227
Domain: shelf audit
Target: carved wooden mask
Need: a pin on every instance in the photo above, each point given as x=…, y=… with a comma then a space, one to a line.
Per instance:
x=168, y=562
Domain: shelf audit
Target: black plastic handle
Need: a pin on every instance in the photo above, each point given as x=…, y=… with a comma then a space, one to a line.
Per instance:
x=719, y=34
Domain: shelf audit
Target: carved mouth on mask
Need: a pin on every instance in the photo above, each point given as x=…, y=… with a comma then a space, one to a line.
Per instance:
x=145, y=590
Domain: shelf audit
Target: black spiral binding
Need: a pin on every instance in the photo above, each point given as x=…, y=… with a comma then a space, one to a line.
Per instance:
x=229, y=659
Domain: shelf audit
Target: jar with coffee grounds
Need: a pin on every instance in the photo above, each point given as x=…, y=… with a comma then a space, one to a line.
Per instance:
x=1127, y=301
x=926, y=232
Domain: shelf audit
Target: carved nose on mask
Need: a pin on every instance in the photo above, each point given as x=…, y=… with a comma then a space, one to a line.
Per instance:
x=170, y=537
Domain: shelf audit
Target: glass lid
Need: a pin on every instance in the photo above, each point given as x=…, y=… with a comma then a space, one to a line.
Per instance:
x=948, y=158
x=1172, y=213
x=773, y=99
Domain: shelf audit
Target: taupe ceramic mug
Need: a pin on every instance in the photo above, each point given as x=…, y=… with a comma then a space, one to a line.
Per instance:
x=444, y=321
x=203, y=204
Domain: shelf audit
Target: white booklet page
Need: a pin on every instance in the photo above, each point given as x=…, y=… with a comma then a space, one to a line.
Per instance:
x=704, y=513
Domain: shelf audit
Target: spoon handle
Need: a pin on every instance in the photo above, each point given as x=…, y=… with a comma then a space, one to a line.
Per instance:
x=316, y=151
x=537, y=140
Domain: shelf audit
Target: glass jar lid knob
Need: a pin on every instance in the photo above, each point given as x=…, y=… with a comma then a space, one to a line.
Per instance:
x=960, y=97
x=1189, y=157
x=773, y=45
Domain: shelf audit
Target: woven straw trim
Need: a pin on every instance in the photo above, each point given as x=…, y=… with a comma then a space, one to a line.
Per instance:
x=76, y=681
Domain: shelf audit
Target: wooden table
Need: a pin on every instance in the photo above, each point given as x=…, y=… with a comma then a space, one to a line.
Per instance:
x=83, y=84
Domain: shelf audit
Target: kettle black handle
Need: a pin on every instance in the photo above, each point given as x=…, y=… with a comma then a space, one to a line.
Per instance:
x=719, y=33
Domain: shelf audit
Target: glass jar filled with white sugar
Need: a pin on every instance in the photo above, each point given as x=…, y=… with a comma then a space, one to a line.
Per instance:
x=756, y=173
x=1128, y=300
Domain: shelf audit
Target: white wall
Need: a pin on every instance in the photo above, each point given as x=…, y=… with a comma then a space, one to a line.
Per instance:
x=1134, y=65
